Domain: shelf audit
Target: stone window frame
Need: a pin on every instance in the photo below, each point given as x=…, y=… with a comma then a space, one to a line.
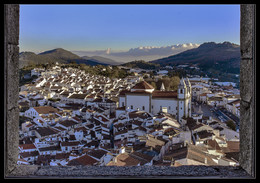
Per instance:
x=247, y=118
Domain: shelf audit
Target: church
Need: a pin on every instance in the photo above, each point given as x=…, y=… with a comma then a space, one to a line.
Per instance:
x=144, y=97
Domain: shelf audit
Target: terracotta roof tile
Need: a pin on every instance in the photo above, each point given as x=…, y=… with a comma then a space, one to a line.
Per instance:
x=27, y=146
x=73, y=143
x=125, y=159
x=143, y=85
x=83, y=160
x=46, y=109
x=164, y=94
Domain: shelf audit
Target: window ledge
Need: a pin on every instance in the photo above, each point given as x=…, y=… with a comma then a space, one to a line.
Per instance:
x=33, y=171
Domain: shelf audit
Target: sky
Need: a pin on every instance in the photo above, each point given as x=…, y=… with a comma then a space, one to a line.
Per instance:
x=121, y=27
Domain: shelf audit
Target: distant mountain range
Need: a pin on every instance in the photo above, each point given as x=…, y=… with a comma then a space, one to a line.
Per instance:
x=219, y=56
x=146, y=53
x=57, y=55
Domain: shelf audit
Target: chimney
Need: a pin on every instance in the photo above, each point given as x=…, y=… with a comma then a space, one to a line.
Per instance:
x=206, y=161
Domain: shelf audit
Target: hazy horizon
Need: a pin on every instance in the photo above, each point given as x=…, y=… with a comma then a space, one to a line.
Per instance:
x=122, y=27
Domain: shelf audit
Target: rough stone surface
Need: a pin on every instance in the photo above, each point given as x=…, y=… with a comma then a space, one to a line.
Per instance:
x=11, y=41
x=246, y=80
x=247, y=30
x=12, y=81
x=247, y=89
x=12, y=23
x=130, y=172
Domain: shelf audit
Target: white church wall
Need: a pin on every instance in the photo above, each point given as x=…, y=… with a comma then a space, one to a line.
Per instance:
x=170, y=104
x=138, y=102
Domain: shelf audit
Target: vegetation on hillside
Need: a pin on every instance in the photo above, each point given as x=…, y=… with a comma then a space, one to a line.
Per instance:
x=170, y=83
x=142, y=65
x=224, y=57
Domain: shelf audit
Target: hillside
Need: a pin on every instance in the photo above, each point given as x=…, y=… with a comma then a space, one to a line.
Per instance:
x=141, y=64
x=222, y=56
x=60, y=54
x=102, y=60
x=56, y=55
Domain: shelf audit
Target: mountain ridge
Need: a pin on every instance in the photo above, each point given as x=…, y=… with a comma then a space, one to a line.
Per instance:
x=224, y=56
x=59, y=55
x=146, y=53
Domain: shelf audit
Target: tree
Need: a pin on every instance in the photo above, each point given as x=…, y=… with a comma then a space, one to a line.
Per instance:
x=154, y=85
x=174, y=82
x=231, y=125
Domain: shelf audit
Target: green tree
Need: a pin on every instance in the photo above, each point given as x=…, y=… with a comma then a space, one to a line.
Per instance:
x=231, y=125
x=174, y=82
x=154, y=85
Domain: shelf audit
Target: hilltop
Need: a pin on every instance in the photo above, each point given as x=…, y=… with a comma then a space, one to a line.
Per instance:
x=59, y=55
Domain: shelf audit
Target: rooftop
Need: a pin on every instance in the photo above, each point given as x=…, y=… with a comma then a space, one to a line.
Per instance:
x=46, y=109
x=143, y=85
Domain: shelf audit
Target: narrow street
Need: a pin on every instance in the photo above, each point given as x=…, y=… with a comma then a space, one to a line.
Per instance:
x=220, y=113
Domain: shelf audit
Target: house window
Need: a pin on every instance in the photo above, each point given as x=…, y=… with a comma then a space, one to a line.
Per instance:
x=181, y=91
x=143, y=108
x=131, y=107
x=123, y=104
x=169, y=107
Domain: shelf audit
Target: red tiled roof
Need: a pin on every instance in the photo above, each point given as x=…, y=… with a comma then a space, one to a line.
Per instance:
x=45, y=131
x=68, y=123
x=97, y=153
x=123, y=92
x=138, y=92
x=164, y=94
x=125, y=159
x=46, y=109
x=83, y=160
x=73, y=143
x=233, y=146
x=143, y=85
x=27, y=146
x=77, y=96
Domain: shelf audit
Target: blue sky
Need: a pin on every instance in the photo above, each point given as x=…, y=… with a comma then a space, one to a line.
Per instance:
x=121, y=27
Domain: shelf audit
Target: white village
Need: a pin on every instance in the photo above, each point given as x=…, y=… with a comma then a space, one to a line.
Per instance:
x=71, y=118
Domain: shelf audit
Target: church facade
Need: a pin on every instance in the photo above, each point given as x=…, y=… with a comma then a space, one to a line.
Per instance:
x=144, y=97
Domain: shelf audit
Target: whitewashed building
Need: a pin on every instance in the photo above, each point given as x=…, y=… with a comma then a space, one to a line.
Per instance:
x=143, y=97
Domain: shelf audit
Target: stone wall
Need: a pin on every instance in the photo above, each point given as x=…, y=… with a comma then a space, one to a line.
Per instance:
x=247, y=88
x=11, y=88
x=11, y=115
